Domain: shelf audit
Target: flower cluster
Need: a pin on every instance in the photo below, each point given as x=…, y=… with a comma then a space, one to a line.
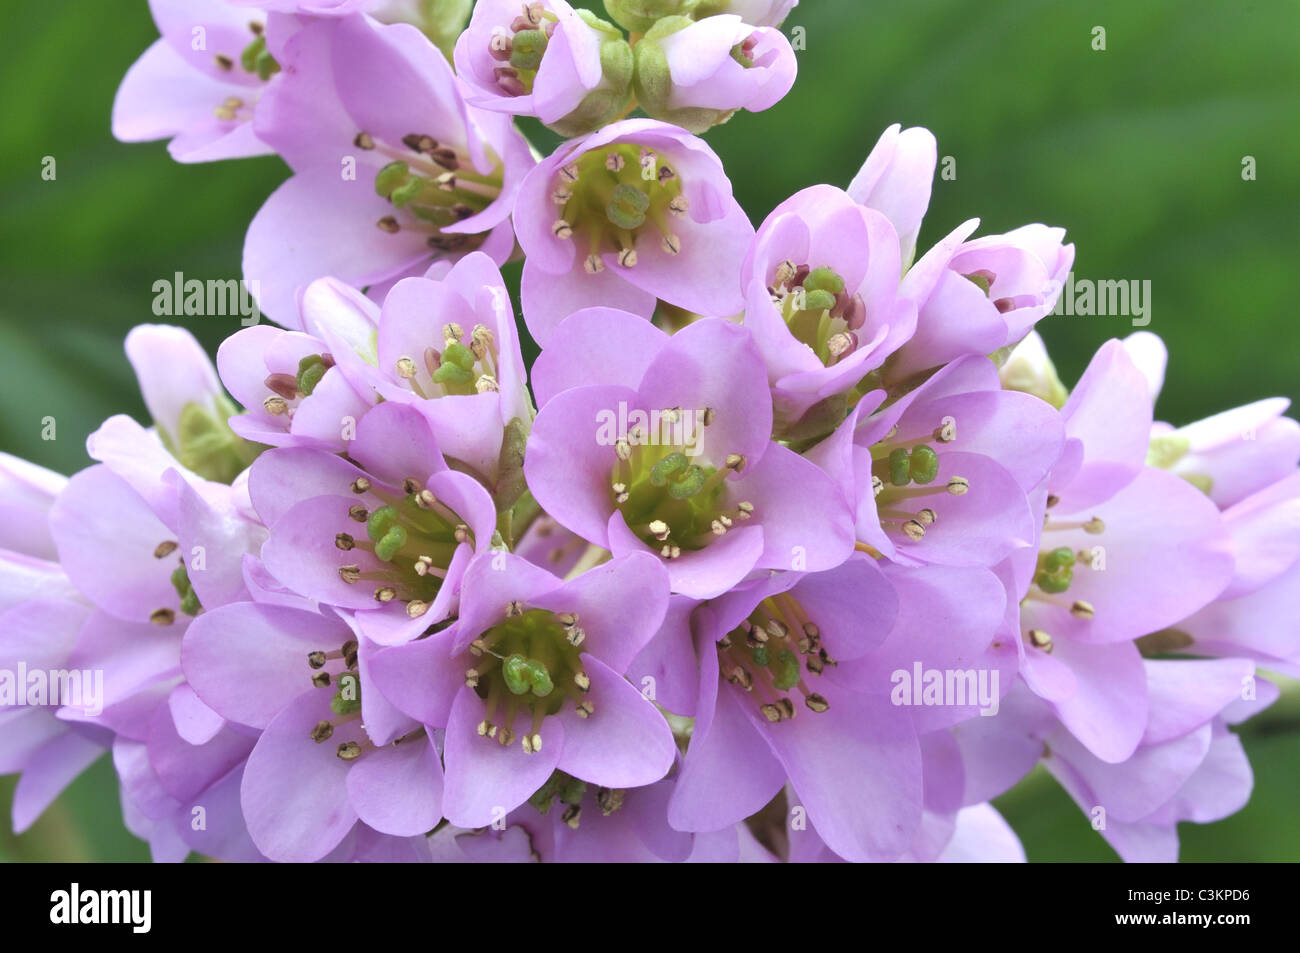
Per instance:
x=789, y=545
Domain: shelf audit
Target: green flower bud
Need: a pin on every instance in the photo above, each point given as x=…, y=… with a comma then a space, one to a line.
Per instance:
x=205, y=443
x=607, y=101
x=639, y=16
x=442, y=21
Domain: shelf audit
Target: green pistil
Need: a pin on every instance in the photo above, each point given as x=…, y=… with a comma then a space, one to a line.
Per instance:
x=181, y=583
x=1055, y=570
x=310, y=370
x=257, y=59
x=813, y=309
x=531, y=661
x=569, y=790
x=347, y=697
x=528, y=49
x=766, y=655
x=205, y=444
x=414, y=535
x=665, y=490
x=920, y=464
x=435, y=187
x=614, y=199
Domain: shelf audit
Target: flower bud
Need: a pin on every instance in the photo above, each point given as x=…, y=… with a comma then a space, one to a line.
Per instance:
x=639, y=16
x=696, y=74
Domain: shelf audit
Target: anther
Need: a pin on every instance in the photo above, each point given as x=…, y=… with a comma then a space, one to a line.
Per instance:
x=514, y=609
x=416, y=608
x=360, y=485
x=388, y=224
x=320, y=679
x=582, y=681
x=593, y=265
x=914, y=530
x=358, y=513
x=1094, y=526
x=165, y=548
x=162, y=617
x=1040, y=640
x=275, y=405
x=349, y=751
x=671, y=244
x=562, y=229
x=927, y=516
x=321, y=731
x=627, y=258
x=405, y=367
x=350, y=574
x=364, y=140
x=316, y=659
x=385, y=594
x=344, y=542
x=816, y=702
x=958, y=486
x=1082, y=610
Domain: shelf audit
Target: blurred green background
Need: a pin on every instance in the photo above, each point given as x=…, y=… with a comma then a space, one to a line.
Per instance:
x=1136, y=149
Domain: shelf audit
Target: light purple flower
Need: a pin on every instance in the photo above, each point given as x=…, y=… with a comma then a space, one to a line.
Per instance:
x=637, y=211
x=661, y=445
x=566, y=67
x=330, y=750
x=392, y=169
x=942, y=474
x=529, y=681
x=822, y=290
x=386, y=537
x=976, y=296
x=699, y=74
x=895, y=180
x=200, y=83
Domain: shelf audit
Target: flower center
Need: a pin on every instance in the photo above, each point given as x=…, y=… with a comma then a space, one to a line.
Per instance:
x=431, y=185
x=817, y=309
x=570, y=792
x=901, y=472
x=254, y=58
x=413, y=537
x=608, y=197
x=1055, y=570
x=669, y=501
x=463, y=367
x=530, y=661
x=519, y=48
x=762, y=656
